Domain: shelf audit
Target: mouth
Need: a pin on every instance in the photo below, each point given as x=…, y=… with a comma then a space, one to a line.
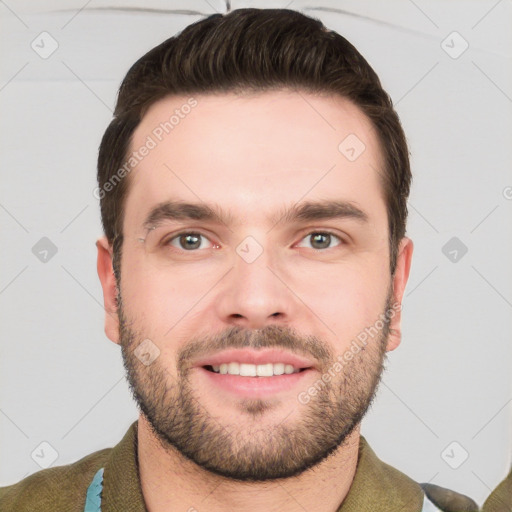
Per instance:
x=253, y=373
x=253, y=370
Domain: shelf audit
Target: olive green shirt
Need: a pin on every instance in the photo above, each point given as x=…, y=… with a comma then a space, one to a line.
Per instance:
x=377, y=487
x=500, y=500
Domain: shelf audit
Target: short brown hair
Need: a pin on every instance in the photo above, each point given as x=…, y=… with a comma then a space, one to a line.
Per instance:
x=253, y=50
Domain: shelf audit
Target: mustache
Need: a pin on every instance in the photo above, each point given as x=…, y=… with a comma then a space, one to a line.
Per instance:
x=271, y=336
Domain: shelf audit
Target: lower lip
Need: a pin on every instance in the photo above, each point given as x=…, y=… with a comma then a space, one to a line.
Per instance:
x=254, y=387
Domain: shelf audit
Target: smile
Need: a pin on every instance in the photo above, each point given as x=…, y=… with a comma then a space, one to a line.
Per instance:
x=254, y=370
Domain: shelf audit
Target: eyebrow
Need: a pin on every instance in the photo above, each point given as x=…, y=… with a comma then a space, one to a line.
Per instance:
x=300, y=212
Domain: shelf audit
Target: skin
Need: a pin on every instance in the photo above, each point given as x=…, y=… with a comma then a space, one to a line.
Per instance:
x=254, y=155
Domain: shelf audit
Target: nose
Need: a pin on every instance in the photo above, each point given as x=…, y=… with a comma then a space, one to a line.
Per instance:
x=255, y=294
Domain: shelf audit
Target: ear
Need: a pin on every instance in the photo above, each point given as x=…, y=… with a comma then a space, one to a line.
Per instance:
x=400, y=277
x=108, y=283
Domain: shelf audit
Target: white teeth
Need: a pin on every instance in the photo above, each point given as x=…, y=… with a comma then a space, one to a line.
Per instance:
x=247, y=370
x=278, y=368
x=255, y=370
x=288, y=368
x=265, y=370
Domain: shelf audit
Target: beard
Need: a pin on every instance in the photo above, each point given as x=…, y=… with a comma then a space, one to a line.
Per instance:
x=254, y=452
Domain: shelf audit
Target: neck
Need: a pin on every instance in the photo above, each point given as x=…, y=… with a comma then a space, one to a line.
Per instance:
x=169, y=481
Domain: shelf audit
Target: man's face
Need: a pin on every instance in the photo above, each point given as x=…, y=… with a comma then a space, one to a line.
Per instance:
x=252, y=286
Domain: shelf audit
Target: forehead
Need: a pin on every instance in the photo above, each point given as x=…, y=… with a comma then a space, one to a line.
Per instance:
x=254, y=154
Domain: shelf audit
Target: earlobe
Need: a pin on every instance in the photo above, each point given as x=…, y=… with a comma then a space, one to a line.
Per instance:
x=108, y=283
x=400, y=277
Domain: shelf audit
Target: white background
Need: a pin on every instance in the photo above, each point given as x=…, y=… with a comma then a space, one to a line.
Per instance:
x=62, y=380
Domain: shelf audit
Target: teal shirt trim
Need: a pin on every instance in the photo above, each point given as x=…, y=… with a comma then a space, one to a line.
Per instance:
x=93, y=497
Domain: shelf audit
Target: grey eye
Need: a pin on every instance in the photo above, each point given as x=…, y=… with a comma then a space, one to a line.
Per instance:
x=188, y=241
x=322, y=239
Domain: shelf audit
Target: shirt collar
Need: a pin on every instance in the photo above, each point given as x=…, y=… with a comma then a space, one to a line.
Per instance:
x=379, y=486
x=121, y=484
x=376, y=485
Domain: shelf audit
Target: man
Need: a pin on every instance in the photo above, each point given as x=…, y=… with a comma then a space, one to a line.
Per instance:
x=253, y=189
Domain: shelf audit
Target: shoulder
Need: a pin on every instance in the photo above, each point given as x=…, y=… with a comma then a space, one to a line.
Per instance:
x=58, y=488
x=381, y=485
x=448, y=500
x=500, y=500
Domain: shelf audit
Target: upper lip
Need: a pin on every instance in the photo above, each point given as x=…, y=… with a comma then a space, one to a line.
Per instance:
x=250, y=356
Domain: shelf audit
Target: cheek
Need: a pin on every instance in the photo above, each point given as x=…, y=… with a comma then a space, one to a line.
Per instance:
x=160, y=297
x=346, y=298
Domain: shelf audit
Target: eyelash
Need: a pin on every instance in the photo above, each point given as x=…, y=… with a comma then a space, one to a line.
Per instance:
x=166, y=243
